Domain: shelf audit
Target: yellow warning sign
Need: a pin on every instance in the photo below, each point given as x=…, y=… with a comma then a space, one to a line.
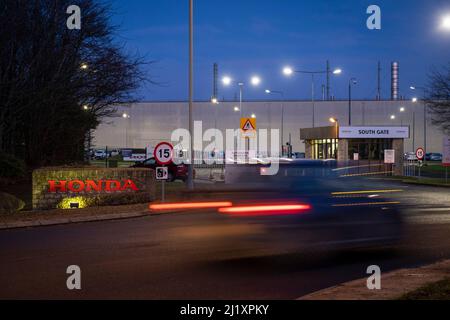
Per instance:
x=248, y=124
x=248, y=127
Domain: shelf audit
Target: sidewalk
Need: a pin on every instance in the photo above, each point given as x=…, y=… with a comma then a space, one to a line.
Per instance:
x=393, y=284
x=59, y=216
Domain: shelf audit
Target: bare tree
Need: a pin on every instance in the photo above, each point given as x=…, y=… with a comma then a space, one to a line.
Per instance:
x=438, y=98
x=57, y=84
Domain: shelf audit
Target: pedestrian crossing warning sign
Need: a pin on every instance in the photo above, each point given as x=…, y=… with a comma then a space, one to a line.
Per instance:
x=248, y=127
x=248, y=124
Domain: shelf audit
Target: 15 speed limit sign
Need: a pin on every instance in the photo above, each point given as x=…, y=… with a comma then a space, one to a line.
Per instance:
x=420, y=154
x=163, y=153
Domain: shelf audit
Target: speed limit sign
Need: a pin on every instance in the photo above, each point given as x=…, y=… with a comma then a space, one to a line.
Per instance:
x=163, y=153
x=420, y=154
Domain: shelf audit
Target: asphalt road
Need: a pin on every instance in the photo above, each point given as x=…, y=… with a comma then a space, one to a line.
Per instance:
x=180, y=256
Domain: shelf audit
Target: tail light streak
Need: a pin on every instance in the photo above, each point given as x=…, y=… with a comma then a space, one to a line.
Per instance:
x=266, y=209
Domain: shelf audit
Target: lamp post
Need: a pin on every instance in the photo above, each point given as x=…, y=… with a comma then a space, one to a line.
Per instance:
x=281, y=93
x=190, y=179
x=127, y=117
x=227, y=81
x=351, y=82
x=415, y=100
x=288, y=71
x=402, y=110
x=336, y=122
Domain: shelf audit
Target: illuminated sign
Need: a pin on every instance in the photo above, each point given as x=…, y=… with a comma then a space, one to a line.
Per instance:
x=374, y=132
x=90, y=186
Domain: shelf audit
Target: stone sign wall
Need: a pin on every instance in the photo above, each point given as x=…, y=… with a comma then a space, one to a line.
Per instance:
x=83, y=187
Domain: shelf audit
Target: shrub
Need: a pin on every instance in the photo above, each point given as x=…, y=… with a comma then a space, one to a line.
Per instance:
x=10, y=204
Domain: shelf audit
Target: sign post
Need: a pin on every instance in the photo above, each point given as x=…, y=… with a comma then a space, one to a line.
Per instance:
x=163, y=154
x=420, y=155
x=389, y=158
x=248, y=130
x=162, y=174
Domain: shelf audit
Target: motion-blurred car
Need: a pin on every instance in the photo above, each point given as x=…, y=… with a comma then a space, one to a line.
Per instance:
x=309, y=206
x=433, y=157
x=176, y=172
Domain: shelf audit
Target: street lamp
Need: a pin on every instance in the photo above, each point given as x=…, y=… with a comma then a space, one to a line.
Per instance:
x=336, y=122
x=126, y=116
x=415, y=100
x=393, y=117
x=227, y=81
x=288, y=71
x=253, y=116
x=351, y=82
x=84, y=66
x=281, y=93
x=236, y=109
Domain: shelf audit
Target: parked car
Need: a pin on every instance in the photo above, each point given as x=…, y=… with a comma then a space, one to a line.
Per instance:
x=433, y=157
x=99, y=154
x=411, y=156
x=113, y=153
x=176, y=172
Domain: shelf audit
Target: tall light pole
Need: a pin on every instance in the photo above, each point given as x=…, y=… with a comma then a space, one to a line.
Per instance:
x=127, y=117
x=288, y=71
x=415, y=100
x=190, y=179
x=351, y=82
x=281, y=93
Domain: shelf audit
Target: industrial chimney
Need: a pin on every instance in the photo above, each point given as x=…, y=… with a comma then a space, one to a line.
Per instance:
x=395, y=68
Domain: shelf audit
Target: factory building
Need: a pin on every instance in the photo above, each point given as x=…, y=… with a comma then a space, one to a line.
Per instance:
x=148, y=123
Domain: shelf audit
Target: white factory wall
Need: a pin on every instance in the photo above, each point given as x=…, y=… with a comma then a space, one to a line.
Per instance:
x=152, y=122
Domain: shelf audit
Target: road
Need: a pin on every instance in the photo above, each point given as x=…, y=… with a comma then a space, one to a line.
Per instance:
x=176, y=256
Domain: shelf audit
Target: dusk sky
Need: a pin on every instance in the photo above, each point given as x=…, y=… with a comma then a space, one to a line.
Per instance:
x=247, y=37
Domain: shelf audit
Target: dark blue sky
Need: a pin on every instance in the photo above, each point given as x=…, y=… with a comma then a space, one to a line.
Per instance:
x=247, y=37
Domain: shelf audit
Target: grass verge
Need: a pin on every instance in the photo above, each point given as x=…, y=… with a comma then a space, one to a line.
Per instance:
x=435, y=291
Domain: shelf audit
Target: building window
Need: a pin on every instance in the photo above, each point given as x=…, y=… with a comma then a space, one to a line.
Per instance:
x=368, y=149
x=324, y=148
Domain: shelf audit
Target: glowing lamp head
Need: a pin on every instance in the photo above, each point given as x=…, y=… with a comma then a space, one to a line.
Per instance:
x=414, y=100
x=253, y=116
x=392, y=117
x=214, y=101
x=337, y=71
x=268, y=91
x=236, y=109
x=287, y=71
x=402, y=109
x=226, y=80
x=255, y=80
x=446, y=23
x=333, y=120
